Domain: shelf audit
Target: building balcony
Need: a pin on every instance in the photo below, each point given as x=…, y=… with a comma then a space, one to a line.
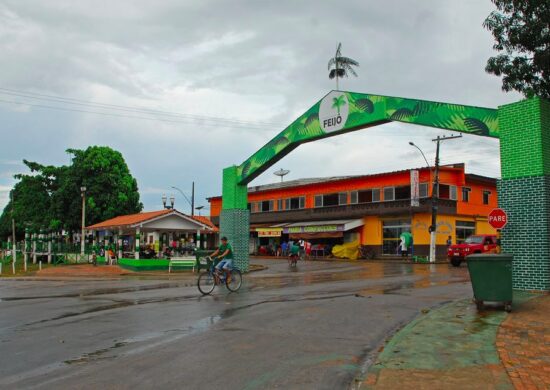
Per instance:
x=350, y=211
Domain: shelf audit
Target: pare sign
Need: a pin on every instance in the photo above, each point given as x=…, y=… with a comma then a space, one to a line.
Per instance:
x=498, y=218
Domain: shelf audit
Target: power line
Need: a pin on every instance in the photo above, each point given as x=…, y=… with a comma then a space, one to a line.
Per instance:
x=124, y=116
x=74, y=101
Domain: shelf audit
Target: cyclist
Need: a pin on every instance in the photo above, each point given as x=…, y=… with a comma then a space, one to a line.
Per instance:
x=294, y=254
x=225, y=254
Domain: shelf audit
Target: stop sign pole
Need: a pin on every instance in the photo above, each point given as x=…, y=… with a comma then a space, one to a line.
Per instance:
x=498, y=219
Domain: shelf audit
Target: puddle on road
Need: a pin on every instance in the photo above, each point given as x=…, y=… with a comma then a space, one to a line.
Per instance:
x=173, y=334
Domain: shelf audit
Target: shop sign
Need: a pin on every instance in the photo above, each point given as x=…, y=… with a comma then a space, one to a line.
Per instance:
x=333, y=111
x=314, y=229
x=415, y=188
x=269, y=232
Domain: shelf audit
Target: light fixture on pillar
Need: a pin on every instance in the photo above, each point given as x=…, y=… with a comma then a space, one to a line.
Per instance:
x=164, y=199
x=172, y=201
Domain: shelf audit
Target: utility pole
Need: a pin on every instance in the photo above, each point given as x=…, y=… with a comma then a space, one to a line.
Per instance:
x=13, y=245
x=82, y=238
x=435, y=195
x=193, y=199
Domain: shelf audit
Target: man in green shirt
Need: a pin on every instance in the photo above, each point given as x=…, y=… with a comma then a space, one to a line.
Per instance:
x=225, y=254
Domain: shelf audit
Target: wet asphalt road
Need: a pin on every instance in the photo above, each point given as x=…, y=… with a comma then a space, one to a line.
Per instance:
x=314, y=328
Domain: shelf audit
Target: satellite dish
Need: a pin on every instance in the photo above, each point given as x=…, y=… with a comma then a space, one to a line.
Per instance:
x=282, y=173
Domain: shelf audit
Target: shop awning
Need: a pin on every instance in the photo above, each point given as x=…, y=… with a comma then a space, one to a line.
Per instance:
x=312, y=227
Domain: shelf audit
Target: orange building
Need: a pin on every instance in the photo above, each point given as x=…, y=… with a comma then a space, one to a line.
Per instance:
x=372, y=210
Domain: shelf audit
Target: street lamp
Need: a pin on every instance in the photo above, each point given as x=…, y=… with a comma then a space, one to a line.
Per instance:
x=83, y=194
x=172, y=201
x=199, y=208
x=192, y=201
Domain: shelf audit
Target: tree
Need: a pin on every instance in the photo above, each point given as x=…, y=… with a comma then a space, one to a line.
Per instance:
x=522, y=34
x=340, y=66
x=50, y=196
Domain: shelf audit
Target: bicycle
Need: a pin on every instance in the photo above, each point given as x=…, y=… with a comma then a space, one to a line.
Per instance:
x=366, y=253
x=210, y=278
x=292, y=261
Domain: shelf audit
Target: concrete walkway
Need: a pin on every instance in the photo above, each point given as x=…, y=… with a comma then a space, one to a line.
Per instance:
x=456, y=347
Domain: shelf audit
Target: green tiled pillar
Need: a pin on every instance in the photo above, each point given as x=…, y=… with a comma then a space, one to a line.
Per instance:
x=235, y=216
x=524, y=190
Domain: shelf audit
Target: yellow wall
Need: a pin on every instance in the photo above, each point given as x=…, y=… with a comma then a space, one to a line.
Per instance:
x=445, y=228
x=483, y=227
x=372, y=231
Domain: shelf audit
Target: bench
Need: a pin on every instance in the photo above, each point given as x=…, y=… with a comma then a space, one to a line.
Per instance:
x=182, y=262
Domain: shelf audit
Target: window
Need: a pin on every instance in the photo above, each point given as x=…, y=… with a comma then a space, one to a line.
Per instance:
x=266, y=205
x=330, y=200
x=279, y=204
x=254, y=207
x=452, y=192
x=368, y=196
x=466, y=194
x=389, y=193
x=342, y=198
x=354, y=197
x=464, y=229
x=318, y=200
x=295, y=203
x=486, y=194
x=403, y=192
x=391, y=231
x=423, y=190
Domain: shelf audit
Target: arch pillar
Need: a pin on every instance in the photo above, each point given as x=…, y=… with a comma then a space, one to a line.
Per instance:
x=524, y=190
x=235, y=216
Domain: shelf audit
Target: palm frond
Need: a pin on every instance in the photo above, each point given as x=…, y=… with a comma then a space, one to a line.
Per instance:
x=400, y=114
x=346, y=60
x=476, y=126
x=365, y=105
x=331, y=62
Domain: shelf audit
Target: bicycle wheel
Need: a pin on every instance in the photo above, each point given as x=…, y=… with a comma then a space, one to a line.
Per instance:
x=206, y=283
x=234, y=284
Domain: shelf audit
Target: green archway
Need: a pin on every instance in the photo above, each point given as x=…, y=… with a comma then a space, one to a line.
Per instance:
x=522, y=127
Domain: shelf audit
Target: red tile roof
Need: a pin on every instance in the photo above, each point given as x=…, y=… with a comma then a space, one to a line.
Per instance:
x=206, y=221
x=131, y=219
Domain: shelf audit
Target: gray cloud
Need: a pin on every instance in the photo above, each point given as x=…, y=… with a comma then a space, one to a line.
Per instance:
x=251, y=60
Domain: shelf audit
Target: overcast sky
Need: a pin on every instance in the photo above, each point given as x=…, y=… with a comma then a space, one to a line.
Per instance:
x=228, y=76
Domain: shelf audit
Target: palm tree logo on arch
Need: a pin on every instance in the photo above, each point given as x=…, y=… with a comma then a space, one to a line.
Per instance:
x=333, y=111
x=337, y=102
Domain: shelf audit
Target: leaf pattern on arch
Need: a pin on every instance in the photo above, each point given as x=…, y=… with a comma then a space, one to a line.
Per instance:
x=311, y=119
x=246, y=169
x=476, y=126
x=365, y=105
x=423, y=107
x=401, y=114
x=279, y=141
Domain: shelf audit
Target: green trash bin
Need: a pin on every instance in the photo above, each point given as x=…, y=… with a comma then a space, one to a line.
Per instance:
x=491, y=276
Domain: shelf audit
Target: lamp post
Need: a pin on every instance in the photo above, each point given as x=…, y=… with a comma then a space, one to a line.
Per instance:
x=82, y=242
x=199, y=208
x=172, y=201
x=192, y=201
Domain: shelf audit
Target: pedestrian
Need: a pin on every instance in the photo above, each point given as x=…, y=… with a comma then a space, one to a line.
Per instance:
x=302, y=245
x=449, y=241
x=404, y=248
x=284, y=248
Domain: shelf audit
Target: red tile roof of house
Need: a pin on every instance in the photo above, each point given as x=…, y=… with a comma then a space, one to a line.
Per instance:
x=206, y=221
x=131, y=219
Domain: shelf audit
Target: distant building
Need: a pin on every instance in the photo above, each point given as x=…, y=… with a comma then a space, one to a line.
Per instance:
x=370, y=209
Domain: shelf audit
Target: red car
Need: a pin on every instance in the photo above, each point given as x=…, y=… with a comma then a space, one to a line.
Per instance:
x=479, y=243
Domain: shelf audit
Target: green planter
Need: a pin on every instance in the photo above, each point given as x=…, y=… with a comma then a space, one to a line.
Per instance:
x=491, y=276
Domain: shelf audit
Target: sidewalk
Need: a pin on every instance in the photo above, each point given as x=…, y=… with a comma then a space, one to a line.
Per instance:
x=455, y=347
